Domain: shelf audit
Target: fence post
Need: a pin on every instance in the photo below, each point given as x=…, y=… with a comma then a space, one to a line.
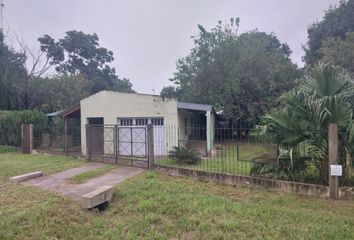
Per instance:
x=150, y=142
x=115, y=141
x=65, y=135
x=237, y=153
x=27, y=138
x=332, y=159
x=88, y=142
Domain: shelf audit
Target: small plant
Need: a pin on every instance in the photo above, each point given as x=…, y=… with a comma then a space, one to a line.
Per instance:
x=184, y=155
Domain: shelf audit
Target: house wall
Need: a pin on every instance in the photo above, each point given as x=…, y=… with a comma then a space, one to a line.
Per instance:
x=113, y=105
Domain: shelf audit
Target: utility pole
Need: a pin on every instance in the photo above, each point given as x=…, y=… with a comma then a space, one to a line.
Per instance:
x=2, y=17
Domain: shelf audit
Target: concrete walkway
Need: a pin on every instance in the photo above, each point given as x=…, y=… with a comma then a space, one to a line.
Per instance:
x=57, y=182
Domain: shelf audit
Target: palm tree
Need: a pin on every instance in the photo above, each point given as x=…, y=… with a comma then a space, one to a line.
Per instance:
x=300, y=124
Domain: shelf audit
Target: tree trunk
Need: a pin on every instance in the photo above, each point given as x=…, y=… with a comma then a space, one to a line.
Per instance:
x=348, y=164
x=26, y=97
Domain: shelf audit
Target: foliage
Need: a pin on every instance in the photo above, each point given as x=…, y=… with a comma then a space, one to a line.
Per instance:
x=170, y=91
x=58, y=92
x=82, y=67
x=12, y=72
x=184, y=155
x=339, y=52
x=80, y=53
x=299, y=125
x=10, y=125
x=239, y=74
x=335, y=24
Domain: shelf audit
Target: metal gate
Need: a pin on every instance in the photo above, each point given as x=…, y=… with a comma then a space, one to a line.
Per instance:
x=125, y=145
x=132, y=142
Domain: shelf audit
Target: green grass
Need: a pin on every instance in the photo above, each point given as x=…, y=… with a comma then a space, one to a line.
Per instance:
x=83, y=177
x=230, y=158
x=155, y=206
x=12, y=164
x=5, y=149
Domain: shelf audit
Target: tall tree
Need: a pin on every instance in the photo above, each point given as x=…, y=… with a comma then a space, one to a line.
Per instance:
x=80, y=53
x=12, y=72
x=336, y=23
x=58, y=92
x=170, y=91
x=37, y=64
x=339, y=51
x=239, y=74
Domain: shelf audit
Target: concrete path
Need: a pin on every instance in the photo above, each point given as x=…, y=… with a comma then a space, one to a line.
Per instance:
x=57, y=182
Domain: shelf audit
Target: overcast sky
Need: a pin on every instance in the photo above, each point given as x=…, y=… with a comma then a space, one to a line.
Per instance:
x=147, y=37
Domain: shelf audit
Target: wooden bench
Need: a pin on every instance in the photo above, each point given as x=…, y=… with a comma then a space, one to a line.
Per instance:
x=99, y=196
x=25, y=177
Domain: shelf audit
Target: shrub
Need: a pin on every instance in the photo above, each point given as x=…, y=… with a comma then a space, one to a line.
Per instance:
x=5, y=149
x=10, y=125
x=184, y=155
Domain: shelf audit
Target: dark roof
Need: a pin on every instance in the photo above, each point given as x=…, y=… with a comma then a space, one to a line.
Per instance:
x=72, y=111
x=194, y=106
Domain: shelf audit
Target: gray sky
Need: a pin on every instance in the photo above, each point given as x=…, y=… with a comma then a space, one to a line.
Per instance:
x=147, y=37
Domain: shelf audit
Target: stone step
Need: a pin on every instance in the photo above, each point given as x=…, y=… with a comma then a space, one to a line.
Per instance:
x=27, y=176
x=97, y=197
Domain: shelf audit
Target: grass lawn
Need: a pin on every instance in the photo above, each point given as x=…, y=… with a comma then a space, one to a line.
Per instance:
x=155, y=206
x=83, y=177
x=230, y=158
x=13, y=163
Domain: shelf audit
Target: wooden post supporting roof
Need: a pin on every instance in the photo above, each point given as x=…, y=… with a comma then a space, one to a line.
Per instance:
x=65, y=135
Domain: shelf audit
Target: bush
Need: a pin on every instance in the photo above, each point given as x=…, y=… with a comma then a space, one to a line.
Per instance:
x=184, y=155
x=5, y=149
x=10, y=125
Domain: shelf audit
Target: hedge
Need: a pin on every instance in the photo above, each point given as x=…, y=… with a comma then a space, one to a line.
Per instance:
x=10, y=125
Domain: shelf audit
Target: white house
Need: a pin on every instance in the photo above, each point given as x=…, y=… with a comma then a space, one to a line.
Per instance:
x=174, y=122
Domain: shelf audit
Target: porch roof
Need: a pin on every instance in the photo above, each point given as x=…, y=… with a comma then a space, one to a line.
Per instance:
x=194, y=106
x=70, y=112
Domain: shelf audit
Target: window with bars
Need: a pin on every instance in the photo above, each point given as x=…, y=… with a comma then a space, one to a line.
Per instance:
x=157, y=121
x=141, y=121
x=126, y=121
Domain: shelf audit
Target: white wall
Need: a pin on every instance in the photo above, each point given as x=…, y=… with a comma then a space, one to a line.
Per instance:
x=112, y=105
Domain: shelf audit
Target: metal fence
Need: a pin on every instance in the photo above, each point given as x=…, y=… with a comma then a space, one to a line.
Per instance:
x=240, y=151
x=126, y=145
x=55, y=140
x=231, y=150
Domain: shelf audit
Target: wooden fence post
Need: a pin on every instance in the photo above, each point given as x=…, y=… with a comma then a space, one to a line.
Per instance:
x=332, y=159
x=27, y=138
x=65, y=135
x=150, y=142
